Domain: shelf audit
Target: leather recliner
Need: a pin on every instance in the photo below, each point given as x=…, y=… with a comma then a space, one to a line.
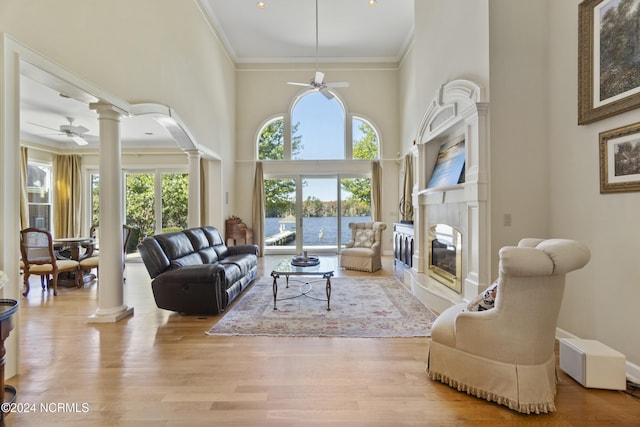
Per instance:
x=194, y=272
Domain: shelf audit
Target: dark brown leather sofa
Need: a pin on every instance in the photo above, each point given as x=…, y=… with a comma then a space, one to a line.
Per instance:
x=194, y=272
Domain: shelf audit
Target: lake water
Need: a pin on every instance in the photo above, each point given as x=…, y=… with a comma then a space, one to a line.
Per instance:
x=317, y=230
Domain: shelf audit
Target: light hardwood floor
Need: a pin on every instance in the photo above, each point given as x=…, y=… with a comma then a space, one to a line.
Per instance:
x=158, y=368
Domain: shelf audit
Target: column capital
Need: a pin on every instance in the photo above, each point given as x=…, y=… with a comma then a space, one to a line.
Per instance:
x=193, y=153
x=107, y=110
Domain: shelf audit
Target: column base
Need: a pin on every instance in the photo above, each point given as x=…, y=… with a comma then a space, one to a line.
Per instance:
x=111, y=317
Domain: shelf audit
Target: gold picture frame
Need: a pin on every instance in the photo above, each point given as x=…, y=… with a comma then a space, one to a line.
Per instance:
x=620, y=159
x=608, y=81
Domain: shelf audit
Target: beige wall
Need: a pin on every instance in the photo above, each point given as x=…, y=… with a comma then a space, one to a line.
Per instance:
x=155, y=51
x=451, y=42
x=601, y=301
x=518, y=122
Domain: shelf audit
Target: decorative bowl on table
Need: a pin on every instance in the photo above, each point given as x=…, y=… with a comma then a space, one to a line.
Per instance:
x=305, y=261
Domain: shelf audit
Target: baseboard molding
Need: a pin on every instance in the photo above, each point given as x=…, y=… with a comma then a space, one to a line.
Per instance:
x=632, y=370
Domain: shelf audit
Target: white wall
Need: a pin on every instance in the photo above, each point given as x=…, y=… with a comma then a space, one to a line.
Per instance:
x=601, y=301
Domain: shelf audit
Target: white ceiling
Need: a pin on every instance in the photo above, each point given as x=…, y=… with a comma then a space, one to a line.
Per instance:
x=284, y=31
x=45, y=104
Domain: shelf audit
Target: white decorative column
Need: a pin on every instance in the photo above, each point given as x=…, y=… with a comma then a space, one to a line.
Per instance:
x=111, y=307
x=193, y=214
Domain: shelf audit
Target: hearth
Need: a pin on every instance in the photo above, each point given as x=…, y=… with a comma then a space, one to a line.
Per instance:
x=445, y=255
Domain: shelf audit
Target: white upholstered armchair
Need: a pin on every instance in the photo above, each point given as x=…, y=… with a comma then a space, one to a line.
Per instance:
x=506, y=354
x=364, y=251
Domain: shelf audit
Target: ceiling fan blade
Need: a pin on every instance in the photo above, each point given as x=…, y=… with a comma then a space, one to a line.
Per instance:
x=46, y=127
x=326, y=92
x=80, y=129
x=79, y=140
x=319, y=79
x=298, y=84
x=337, y=84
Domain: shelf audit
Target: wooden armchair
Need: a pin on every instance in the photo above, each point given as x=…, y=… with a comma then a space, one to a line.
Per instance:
x=38, y=257
x=236, y=230
x=93, y=260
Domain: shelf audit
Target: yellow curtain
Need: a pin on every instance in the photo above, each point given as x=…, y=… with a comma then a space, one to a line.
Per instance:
x=24, y=196
x=406, y=204
x=258, y=208
x=203, y=199
x=67, y=196
x=376, y=191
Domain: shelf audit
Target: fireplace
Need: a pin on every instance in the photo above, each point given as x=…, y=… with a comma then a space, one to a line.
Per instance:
x=452, y=261
x=445, y=255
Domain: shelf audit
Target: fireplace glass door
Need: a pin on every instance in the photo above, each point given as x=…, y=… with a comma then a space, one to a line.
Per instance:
x=445, y=256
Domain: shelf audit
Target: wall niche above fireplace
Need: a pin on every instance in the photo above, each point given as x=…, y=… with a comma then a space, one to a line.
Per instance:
x=456, y=117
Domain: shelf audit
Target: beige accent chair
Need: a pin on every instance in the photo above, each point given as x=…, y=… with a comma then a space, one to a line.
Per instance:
x=506, y=354
x=363, y=252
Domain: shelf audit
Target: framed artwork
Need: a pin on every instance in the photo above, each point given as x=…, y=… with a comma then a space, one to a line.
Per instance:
x=609, y=58
x=620, y=159
x=449, y=168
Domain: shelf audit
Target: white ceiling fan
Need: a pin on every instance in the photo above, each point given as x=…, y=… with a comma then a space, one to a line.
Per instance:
x=76, y=133
x=318, y=80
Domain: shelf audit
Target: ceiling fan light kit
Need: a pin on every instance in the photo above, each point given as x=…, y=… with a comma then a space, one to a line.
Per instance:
x=318, y=82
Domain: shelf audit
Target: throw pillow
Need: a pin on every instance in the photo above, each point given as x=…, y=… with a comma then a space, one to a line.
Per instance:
x=363, y=239
x=485, y=300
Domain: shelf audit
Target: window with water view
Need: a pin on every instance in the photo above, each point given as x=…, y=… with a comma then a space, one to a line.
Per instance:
x=308, y=210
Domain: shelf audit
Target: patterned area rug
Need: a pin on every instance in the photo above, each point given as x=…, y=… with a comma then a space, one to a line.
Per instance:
x=360, y=307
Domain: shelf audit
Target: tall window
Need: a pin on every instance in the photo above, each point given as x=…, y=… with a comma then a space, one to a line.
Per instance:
x=142, y=190
x=39, y=195
x=175, y=201
x=95, y=198
x=321, y=184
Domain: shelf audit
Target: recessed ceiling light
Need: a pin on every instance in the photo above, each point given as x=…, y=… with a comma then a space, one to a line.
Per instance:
x=261, y=5
x=372, y=3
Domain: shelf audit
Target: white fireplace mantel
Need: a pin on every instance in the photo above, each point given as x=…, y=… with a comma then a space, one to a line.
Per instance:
x=458, y=111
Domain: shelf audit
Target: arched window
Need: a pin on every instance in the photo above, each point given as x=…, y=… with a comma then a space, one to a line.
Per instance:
x=365, y=140
x=320, y=123
x=271, y=140
x=318, y=132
